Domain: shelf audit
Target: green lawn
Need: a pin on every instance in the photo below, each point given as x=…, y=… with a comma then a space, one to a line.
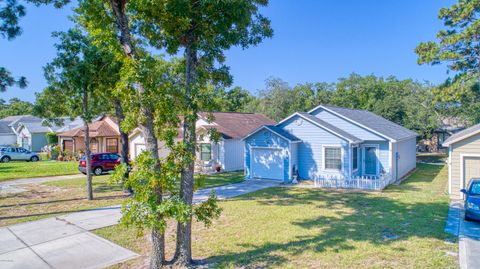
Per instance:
x=401, y=227
x=15, y=170
x=223, y=178
x=66, y=196
x=432, y=157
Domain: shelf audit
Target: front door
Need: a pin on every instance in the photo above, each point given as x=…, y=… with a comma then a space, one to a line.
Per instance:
x=370, y=160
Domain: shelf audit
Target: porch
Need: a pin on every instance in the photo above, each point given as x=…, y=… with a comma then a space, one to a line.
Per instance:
x=376, y=183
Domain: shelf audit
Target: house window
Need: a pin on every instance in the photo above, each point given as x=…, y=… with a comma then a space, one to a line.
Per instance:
x=355, y=158
x=93, y=145
x=205, y=152
x=333, y=158
x=112, y=145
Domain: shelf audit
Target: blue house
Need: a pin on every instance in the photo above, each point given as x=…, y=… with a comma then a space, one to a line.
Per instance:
x=330, y=143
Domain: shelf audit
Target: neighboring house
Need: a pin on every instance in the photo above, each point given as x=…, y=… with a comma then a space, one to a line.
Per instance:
x=449, y=126
x=330, y=142
x=227, y=153
x=463, y=159
x=104, y=136
x=7, y=135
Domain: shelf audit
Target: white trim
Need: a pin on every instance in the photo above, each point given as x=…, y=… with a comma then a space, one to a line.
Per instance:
x=351, y=158
x=462, y=162
x=342, y=159
x=317, y=124
x=352, y=121
x=377, y=152
x=265, y=127
x=450, y=170
x=391, y=158
x=458, y=139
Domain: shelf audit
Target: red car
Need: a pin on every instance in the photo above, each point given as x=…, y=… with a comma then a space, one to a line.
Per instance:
x=101, y=162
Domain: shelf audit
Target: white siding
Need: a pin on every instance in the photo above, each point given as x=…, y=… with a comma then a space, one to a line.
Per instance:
x=407, y=156
x=233, y=154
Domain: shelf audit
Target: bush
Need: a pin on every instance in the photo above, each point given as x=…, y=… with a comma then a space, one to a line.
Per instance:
x=52, y=138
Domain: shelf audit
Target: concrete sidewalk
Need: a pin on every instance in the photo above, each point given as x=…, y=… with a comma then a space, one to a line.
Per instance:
x=65, y=241
x=14, y=186
x=468, y=233
x=56, y=243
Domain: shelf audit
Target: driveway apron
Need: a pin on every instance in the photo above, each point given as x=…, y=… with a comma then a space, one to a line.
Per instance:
x=65, y=241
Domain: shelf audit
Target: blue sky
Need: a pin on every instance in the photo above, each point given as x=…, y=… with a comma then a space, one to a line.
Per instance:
x=314, y=40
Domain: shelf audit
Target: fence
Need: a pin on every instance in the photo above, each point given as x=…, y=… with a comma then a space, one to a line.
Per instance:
x=377, y=183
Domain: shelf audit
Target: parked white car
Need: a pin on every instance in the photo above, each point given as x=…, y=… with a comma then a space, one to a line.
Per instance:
x=8, y=154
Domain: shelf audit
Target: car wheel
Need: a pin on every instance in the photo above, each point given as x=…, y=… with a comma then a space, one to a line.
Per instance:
x=6, y=159
x=34, y=159
x=97, y=171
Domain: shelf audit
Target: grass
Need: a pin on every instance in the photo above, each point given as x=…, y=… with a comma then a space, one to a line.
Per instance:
x=65, y=196
x=432, y=157
x=16, y=170
x=56, y=198
x=402, y=227
x=220, y=179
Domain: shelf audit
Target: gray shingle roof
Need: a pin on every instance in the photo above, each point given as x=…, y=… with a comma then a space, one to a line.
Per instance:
x=5, y=129
x=330, y=127
x=462, y=135
x=282, y=132
x=374, y=122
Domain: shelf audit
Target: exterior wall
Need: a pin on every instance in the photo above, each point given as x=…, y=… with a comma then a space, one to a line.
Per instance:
x=267, y=139
x=294, y=156
x=24, y=135
x=310, y=150
x=383, y=156
x=407, y=159
x=39, y=140
x=346, y=125
x=468, y=146
x=137, y=141
x=8, y=139
x=233, y=154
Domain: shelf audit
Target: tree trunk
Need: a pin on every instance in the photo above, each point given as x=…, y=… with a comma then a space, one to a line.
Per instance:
x=123, y=139
x=183, y=251
x=88, y=157
x=151, y=142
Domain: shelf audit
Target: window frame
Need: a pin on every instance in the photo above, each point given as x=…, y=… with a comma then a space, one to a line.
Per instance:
x=202, y=152
x=357, y=163
x=107, y=146
x=324, y=159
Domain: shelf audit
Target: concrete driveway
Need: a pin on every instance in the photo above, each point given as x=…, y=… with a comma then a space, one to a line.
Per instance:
x=65, y=241
x=57, y=243
x=468, y=233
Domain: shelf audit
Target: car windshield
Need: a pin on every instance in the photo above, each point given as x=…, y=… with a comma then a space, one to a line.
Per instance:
x=475, y=188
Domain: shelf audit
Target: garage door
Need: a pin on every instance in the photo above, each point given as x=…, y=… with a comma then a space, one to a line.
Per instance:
x=471, y=168
x=139, y=148
x=267, y=163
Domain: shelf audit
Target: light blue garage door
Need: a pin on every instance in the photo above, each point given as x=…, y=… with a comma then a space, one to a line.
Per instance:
x=267, y=163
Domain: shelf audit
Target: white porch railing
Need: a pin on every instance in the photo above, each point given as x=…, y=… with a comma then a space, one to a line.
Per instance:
x=377, y=183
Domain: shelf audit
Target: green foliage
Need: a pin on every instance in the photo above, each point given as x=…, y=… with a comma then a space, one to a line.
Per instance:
x=7, y=80
x=15, y=107
x=457, y=47
x=52, y=138
x=79, y=65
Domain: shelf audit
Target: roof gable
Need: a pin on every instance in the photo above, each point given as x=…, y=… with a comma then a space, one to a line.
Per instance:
x=475, y=129
x=371, y=122
x=235, y=124
x=276, y=130
x=324, y=125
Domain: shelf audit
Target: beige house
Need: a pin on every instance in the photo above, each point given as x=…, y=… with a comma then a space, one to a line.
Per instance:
x=104, y=137
x=463, y=159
